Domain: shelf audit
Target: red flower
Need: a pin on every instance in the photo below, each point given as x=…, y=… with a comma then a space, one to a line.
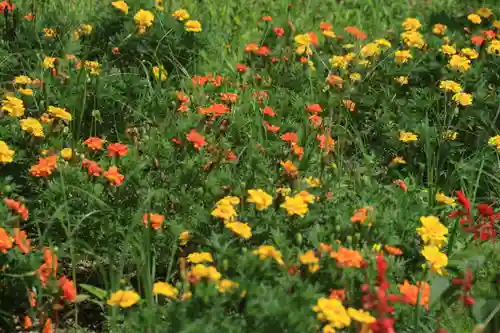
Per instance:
x=314, y=108
x=94, y=143
x=113, y=176
x=269, y=111
x=290, y=137
x=6, y=5
x=230, y=156
x=117, y=150
x=68, y=288
x=241, y=68
x=466, y=284
x=264, y=51
x=316, y=120
x=401, y=184
x=272, y=128
x=280, y=32
x=216, y=110
x=477, y=40
x=93, y=168
x=196, y=138
x=229, y=97
x=355, y=32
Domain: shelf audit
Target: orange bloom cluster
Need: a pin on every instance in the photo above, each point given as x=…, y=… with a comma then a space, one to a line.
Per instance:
x=196, y=138
x=355, y=32
x=184, y=101
x=94, y=143
x=22, y=241
x=68, y=288
x=348, y=258
x=117, y=150
x=113, y=176
x=44, y=167
x=215, y=110
x=17, y=208
x=326, y=142
x=209, y=78
x=93, y=168
x=49, y=266
x=155, y=219
x=5, y=241
x=361, y=215
x=411, y=293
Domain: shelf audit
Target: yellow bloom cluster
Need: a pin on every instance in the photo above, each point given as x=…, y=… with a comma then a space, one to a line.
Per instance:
x=311, y=260
x=200, y=257
x=224, y=208
x=143, y=19
x=495, y=141
x=6, y=154
x=433, y=234
x=269, y=251
x=261, y=199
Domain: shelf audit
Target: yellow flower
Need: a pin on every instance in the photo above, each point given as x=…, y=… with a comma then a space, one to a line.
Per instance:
x=229, y=200
x=361, y=316
x=328, y=329
x=348, y=46
x=311, y=260
x=192, y=26
x=124, y=298
x=284, y=191
x=6, y=154
x=329, y=34
x=437, y=260
x=377, y=247
x=159, y=73
x=370, y=50
x=496, y=24
x=181, y=14
x=268, y=251
x=494, y=47
x=383, y=42
x=13, y=106
x=85, y=29
x=448, y=49
x=450, y=135
x=470, y=53
x=26, y=92
x=295, y=205
x=304, y=42
x=398, y=160
x=201, y=271
x=462, y=98
x=402, y=80
x=312, y=182
x=261, y=199
x=411, y=24
x=200, y=257
x=332, y=311
x=355, y=76
x=49, y=32
x=225, y=212
x=306, y=196
x=241, y=229
x=439, y=29
x=448, y=85
x=94, y=67
x=184, y=238
x=32, y=126
x=441, y=197
x=364, y=62
x=413, y=39
x=407, y=136
x=474, y=18
x=48, y=62
x=432, y=231
x=22, y=79
x=121, y=5
x=459, y=63
x=495, y=141
x=339, y=62
x=402, y=56
x=484, y=12
x=67, y=154
x=144, y=18
x=60, y=113
x=165, y=289
x=226, y=285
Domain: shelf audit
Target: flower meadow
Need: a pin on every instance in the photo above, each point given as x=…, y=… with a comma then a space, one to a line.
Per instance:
x=207, y=167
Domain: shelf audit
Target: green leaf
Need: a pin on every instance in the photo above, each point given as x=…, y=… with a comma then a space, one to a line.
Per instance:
x=478, y=310
x=97, y=292
x=439, y=285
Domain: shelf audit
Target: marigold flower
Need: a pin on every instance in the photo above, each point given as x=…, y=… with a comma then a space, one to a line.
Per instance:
x=361, y=316
x=279, y=32
x=290, y=168
x=5, y=241
x=448, y=50
x=144, y=18
x=6, y=154
x=241, y=68
x=68, y=288
x=459, y=63
x=224, y=211
x=44, y=167
x=200, y=271
x=269, y=251
x=335, y=80
x=436, y=259
x=47, y=327
x=26, y=92
x=413, y=39
x=196, y=138
x=22, y=241
x=477, y=40
x=94, y=143
x=311, y=260
x=67, y=154
x=156, y=220
x=355, y=77
x=32, y=126
x=295, y=205
x=304, y=43
x=494, y=47
x=339, y=62
x=358, y=34
x=49, y=62
x=314, y=108
x=332, y=311
x=240, y=229
x=49, y=266
x=180, y=14
x=462, y=98
x=326, y=142
x=469, y=53
x=407, y=136
x=411, y=23
x=432, y=231
x=226, y=285
x=361, y=215
x=159, y=73
x=495, y=141
x=411, y=292
x=124, y=298
x=272, y=128
x=165, y=289
x=402, y=56
x=290, y=137
x=13, y=106
x=350, y=105
x=451, y=86
x=398, y=160
x=474, y=18
x=117, y=150
x=184, y=238
x=370, y=50
x=261, y=199
x=93, y=168
x=348, y=258
x=439, y=29
x=392, y=250
x=192, y=26
x=200, y=257
x=120, y=5
x=113, y=176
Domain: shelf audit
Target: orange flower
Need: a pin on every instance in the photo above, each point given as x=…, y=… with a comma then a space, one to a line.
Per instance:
x=335, y=80
x=251, y=48
x=93, y=168
x=264, y=50
x=268, y=111
x=115, y=50
x=350, y=105
x=17, y=208
x=272, y=128
x=181, y=97
x=113, y=176
x=156, y=220
x=117, y=150
x=348, y=258
x=314, y=108
x=298, y=150
x=337, y=294
x=290, y=137
x=326, y=142
x=355, y=32
x=411, y=293
x=27, y=323
x=215, y=110
x=324, y=26
x=241, y=68
x=290, y=168
x=196, y=138
x=401, y=184
x=316, y=120
x=44, y=167
x=229, y=97
x=49, y=267
x=5, y=241
x=22, y=241
x=393, y=250
x=47, y=328
x=183, y=107
x=94, y=143
x=477, y=40
x=199, y=80
x=267, y=18
x=325, y=248
x=68, y=288
x=361, y=215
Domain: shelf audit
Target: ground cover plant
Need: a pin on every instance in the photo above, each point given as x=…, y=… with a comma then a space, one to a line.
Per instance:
x=249, y=166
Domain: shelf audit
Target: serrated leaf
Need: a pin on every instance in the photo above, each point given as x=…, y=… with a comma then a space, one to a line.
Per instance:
x=97, y=292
